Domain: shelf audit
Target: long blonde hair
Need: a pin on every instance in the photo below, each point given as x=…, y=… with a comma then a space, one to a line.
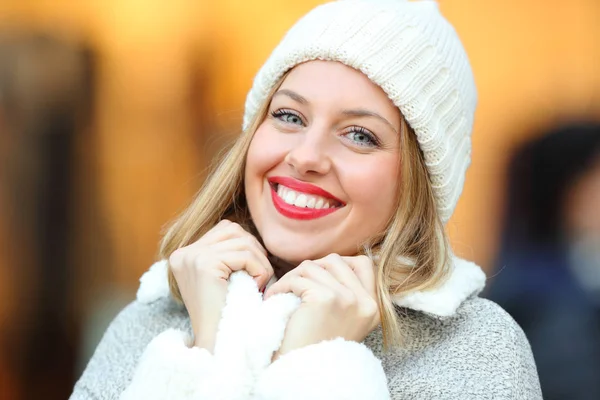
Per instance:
x=411, y=254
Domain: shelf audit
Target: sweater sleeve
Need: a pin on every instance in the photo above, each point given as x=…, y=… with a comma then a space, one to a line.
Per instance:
x=110, y=369
x=330, y=370
x=135, y=360
x=168, y=368
x=527, y=382
x=171, y=369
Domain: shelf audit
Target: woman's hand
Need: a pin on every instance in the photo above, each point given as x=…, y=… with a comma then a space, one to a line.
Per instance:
x=338, y=300
x=203, y=268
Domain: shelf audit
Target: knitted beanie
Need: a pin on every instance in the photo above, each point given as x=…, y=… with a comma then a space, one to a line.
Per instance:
x=409, y=50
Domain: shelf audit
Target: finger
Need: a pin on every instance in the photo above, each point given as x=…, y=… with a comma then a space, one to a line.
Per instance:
x=225, y=229
x=245, y=242
x=248, y=261
x=316, y=273
x=180, y=254
x=222, y=223
x=225, y=232
x=220, y=226
x=302, y=287
x=342, y=272
x=364, y=269
x=248, y=243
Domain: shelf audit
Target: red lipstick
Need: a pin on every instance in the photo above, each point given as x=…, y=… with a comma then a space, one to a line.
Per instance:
x=303, y=187
x=301, y=213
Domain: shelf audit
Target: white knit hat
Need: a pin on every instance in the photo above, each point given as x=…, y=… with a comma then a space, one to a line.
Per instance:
x=410, y=51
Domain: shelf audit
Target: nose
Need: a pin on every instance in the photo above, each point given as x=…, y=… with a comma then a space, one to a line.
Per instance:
x=309, y=154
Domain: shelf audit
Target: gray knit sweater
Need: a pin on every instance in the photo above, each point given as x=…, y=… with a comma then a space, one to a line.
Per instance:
x=457, y=346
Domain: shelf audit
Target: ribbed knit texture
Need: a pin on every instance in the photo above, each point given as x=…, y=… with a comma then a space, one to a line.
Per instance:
x=413, y=54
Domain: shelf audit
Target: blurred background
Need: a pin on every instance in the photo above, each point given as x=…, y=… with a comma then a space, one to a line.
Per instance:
x=111, y=111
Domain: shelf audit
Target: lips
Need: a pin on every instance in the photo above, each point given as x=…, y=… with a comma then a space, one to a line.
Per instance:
x=303, y=188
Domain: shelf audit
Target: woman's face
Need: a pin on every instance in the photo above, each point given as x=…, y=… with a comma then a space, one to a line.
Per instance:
x=322, y=170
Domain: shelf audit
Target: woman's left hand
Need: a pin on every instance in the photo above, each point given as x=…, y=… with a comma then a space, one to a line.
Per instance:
x=338, y=300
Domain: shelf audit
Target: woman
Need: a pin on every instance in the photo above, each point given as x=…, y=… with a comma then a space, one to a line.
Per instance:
x=314, y=263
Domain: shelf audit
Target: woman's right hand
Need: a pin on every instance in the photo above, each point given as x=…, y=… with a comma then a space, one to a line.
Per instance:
x=203, y=268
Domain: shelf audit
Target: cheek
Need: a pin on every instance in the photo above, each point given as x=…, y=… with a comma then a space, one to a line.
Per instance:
x=372, y=187
x=263, y=154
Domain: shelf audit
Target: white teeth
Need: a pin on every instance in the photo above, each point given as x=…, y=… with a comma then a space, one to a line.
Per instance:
x=301, y=201
x=290, y=197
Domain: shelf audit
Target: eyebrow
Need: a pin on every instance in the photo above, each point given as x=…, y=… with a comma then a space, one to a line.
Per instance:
x=359, y=113
x=291, y=94
x=366, y=113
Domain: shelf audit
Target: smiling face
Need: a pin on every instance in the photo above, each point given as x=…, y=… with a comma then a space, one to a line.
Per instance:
x=322, y=171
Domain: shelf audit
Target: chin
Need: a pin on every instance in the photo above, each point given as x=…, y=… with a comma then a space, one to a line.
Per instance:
x=295, y=251
x=292, y=251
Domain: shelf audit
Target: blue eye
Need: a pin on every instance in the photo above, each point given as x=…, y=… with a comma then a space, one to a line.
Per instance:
x=362, y=137
x=288, y=117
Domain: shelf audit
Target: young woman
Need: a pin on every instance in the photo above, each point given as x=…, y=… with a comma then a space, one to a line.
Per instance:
x=314, y=264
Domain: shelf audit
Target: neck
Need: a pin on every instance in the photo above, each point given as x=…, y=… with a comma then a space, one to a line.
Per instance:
x=280, y=267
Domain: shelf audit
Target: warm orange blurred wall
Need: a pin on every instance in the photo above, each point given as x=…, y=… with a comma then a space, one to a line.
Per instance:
x=535, y=61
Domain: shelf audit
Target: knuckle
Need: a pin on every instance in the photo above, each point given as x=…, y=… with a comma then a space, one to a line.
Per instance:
x=257, y=244
x=198, y=262
x=247, y=254
x=333, y=257
x=203, y=263
x=206, y=267
x=249, y=241
x=230, y=229
x=235, y=227
x=176, y=258
x=363, y=260
x=328, y=297
x=347, y=300
x=369, y=309
x=303, y=266
x=307, y=269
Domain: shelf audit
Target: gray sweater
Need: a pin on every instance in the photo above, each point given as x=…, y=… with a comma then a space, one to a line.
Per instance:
x=457, y=346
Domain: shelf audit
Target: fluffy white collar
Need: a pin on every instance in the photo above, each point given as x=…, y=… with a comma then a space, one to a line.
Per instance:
x=466, y=279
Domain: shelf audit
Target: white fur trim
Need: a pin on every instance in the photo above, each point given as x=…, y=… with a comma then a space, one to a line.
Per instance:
x=250, y=331
x=330, y=370
x=242, y=304
x=169, y=369
x=266, y=333
x=154, y=284
x=465, y=279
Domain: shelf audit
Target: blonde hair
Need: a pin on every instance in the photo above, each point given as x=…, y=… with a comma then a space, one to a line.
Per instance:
x=411, y=254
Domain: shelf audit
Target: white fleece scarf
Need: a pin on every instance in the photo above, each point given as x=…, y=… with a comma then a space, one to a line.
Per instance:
x=251, y=330
x=465, y=279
